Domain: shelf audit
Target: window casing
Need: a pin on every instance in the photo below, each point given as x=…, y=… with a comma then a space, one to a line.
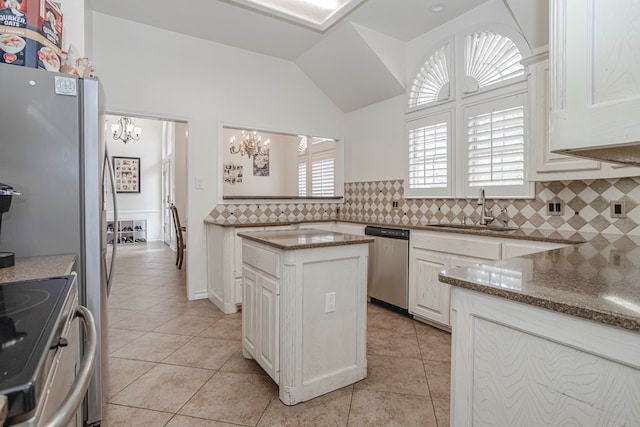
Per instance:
x=430, y=153
x=485, y=116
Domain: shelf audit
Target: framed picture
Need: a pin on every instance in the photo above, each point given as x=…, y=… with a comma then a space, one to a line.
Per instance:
x=127, y=172
x=233, y=173
x=261, y=165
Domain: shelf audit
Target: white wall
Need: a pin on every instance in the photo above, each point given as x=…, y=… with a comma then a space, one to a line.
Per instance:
x=159, y=73
x=73, y=21
x=376, y=140
x=146, y=204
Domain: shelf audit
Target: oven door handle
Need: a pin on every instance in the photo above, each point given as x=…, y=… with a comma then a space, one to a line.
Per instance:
x=71, y=403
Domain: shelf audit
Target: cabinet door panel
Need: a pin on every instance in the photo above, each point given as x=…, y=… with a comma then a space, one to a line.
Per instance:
x=596, y=73
x=249, y=310
x=268, y=326
x=430, y=297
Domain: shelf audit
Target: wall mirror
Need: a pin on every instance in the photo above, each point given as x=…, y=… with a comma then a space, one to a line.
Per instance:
x=260, y=164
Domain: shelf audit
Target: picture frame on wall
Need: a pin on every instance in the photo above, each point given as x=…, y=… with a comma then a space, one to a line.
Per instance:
x=127, y=174
x=261, y=165
x=232, y=173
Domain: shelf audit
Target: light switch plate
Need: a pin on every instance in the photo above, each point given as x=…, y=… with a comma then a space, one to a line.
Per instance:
x=330, y=302
x=199, y=183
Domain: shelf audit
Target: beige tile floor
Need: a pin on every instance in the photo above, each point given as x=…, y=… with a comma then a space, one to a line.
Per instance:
x=175, y=362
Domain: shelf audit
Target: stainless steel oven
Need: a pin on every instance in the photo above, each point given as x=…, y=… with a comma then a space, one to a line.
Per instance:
x=45, y=379
x=388, y=273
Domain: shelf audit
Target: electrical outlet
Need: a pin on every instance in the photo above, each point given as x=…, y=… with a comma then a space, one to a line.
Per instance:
x=555, y=207
x=394, y=204
x=618, y=209
x=330, y=302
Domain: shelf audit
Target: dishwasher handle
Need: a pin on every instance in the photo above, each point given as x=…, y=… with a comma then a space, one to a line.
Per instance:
x=391, y=233
x=72, y=402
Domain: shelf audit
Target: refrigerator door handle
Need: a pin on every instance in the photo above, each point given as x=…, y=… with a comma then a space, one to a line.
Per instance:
x=112, y=178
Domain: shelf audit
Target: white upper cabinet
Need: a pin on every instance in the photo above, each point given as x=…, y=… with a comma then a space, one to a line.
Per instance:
x=545, y=165
x=595, y=74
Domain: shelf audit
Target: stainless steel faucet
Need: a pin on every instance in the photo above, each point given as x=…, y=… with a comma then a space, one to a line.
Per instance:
x=485, y=214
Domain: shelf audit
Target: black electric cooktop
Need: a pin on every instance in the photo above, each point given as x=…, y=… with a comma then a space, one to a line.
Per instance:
x=28, y=315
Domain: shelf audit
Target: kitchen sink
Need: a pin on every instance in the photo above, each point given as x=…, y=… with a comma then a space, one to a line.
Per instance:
x=485, y=228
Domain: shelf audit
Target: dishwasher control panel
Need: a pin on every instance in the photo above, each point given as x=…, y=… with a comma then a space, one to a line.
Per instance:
x=392, y=233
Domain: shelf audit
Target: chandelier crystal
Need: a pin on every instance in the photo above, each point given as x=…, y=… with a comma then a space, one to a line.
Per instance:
x=250, y=146
x=125, y=130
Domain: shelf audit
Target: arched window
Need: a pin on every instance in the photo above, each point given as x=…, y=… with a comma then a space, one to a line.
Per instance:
x=477, y=138
x=490, y=58
x=432, y=82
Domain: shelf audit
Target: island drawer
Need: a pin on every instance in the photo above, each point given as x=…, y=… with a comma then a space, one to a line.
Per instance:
x=262, y=259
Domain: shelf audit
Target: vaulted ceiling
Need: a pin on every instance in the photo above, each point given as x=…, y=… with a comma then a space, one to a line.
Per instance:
x=356, y=62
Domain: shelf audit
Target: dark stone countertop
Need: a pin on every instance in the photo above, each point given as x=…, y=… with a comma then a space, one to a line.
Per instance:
x=541, y=235
x=598, y=280
x=304, y=239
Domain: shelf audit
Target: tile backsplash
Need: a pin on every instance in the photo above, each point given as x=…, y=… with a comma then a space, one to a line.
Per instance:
x=263, y=212
x=586, y=207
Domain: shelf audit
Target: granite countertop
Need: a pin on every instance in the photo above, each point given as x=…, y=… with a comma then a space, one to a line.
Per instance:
x=304, y=239
x=38, y=267
x=598, y=280
x=541, y=235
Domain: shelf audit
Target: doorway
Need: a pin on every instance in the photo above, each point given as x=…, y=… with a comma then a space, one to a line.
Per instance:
x=158, y=149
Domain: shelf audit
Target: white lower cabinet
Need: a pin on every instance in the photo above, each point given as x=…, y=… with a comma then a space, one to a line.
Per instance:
x=348, y=228
x=428, y=298
x=432, y=252
x=516, y=248
x=518, y=365
x=261, y=313
x=429, y=254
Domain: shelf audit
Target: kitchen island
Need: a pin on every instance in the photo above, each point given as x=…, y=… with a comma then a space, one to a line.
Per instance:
x=304, y=316
x=551, y=338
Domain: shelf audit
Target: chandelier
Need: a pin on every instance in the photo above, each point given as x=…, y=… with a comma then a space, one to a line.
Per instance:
x=125, y=130
x=250, y=146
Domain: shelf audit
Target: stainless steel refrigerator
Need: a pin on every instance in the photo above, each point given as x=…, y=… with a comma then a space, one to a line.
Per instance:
x=52, y=150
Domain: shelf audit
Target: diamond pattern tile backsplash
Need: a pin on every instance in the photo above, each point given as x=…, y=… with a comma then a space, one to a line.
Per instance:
x=267, y=212
x=586, y=207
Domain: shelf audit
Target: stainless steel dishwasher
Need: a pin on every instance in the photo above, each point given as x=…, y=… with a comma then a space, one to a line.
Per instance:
x=388, y=273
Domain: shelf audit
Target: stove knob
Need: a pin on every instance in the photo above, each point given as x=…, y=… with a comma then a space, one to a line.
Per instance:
x=62, y=342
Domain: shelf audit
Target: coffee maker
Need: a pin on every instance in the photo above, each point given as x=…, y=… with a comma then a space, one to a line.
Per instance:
x=7, y=259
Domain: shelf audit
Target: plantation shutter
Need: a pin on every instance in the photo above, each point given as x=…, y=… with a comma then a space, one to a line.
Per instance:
x=429, y=152
x=322, y=176
x=302, y=179
x=496, y=147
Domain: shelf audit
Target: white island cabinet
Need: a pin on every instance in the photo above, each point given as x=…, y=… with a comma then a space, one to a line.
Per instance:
x=304, y=313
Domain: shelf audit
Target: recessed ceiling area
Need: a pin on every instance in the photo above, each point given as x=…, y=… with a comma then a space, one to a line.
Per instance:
x=356, y=61
x=316, y=14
